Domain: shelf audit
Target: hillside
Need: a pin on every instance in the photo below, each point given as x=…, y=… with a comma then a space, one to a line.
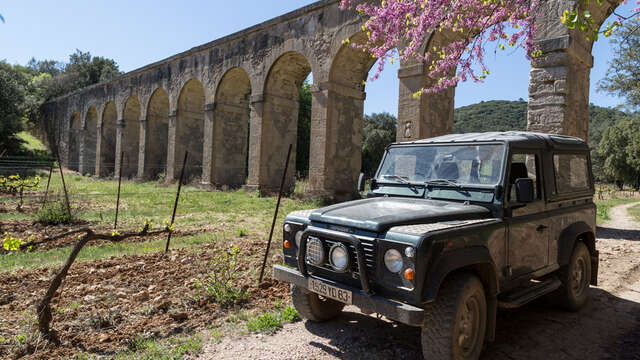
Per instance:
x=502, y=115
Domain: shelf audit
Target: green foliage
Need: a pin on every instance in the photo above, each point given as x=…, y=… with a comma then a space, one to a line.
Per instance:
x=624, y=65
x=270, y=322
x=150, y=348
x=620, y=149
x=55, y=213
x=9, y=243
x=304, y=131
x=501, y=115
x=12, y=97
x=379, y=131
x=219, y=286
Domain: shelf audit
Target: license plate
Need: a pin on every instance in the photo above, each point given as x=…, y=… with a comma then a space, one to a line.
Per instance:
x=329, y=291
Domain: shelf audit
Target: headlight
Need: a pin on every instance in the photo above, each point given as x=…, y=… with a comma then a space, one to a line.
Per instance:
x=315, y=251
x=393, y=260
x=287, y=228
x=298, y=237
x=339, y=257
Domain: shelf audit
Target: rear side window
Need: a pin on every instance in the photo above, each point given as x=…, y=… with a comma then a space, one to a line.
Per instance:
x=572, y=172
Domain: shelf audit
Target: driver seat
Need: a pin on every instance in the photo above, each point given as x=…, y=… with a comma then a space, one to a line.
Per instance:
x=448, y=171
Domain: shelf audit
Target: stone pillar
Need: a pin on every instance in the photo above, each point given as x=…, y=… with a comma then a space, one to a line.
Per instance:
x=426, y=116
x=255, y=142
x=119, y=139
x=82, y=155
x=142, y=153
x=559, y=88
x=230, y=129
x=209, y=145
x=320, y=183
x=270, y=137
x=336, y=140
x=98, y=168
x=171, y=146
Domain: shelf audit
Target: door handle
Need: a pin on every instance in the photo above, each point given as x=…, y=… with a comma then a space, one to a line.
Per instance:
x=541, y=228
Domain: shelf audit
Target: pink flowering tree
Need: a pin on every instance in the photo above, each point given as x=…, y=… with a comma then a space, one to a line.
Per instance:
x=400, y=28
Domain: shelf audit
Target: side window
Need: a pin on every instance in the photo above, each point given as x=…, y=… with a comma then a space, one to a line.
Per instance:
x=572, y=172
x=523, y=166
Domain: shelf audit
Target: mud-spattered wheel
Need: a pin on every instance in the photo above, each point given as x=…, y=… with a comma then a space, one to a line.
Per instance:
x=575, y=278
x=313, y=306
x=455, y=324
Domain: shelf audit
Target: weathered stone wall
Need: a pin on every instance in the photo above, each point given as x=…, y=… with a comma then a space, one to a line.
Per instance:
x=233, y=104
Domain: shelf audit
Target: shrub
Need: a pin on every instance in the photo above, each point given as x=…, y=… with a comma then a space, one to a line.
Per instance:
x=55, y=213
x=219, y=285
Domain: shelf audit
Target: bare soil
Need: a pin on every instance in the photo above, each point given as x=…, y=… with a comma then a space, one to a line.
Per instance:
x=608, y=327
x=104, y=305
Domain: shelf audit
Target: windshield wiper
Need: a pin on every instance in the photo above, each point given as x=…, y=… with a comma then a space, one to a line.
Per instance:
x=405, y=181
x=443, y=182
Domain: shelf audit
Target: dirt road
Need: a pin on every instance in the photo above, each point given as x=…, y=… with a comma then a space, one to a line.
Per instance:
x=607, y=328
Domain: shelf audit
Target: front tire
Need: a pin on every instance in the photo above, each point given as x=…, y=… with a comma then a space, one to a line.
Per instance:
x=455, y=324
x=575, y=278
x=314, y=307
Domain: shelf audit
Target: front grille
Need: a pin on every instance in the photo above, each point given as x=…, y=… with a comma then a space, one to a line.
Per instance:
x=369, y=247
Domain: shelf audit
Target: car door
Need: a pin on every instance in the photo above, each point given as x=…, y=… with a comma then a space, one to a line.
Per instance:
x=528, y=225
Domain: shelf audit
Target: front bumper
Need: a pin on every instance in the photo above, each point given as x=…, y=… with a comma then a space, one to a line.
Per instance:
x=404, y=313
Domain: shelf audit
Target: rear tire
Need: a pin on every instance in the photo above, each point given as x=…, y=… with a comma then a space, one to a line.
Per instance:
x=455, y=324
x=312, y=306
x=575, y=278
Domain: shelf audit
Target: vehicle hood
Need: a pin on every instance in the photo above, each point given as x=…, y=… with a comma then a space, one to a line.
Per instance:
x=380, y=214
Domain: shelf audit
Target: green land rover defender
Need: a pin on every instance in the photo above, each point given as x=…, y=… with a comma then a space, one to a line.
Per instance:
x=452, y=228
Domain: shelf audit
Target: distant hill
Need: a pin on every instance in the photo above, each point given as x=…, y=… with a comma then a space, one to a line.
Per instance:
x=502, y=115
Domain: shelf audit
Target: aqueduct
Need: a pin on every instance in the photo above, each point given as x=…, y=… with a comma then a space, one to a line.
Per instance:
x=235, y=100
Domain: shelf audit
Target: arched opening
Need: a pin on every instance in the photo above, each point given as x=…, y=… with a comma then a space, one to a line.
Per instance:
x=345, y=107
x=90, y=135
x=231, y=128
x=108, y=140
x=75, y=129
x=190, y=130
x=131, y=137
x=279, y=123
x=157, y=135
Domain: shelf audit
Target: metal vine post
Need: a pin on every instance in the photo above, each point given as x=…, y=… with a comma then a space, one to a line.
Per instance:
x=175, y=205
x=275, y=215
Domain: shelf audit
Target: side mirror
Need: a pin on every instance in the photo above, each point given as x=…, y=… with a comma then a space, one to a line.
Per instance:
x=524, y=190
x=361, y=182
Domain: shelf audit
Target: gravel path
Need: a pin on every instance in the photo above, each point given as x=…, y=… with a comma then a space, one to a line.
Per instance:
x=607, y=328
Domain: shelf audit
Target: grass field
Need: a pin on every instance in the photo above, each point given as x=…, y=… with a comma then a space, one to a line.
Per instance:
x=605, y=205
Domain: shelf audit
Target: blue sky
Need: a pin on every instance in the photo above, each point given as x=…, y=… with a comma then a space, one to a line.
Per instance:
x=136, y=33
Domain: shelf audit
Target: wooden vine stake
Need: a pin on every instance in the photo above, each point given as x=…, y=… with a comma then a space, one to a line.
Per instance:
x=175, y=205
x=275, y=215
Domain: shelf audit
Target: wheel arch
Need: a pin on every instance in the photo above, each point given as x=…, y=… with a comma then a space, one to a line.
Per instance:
x=579, y=231
x=476, y=260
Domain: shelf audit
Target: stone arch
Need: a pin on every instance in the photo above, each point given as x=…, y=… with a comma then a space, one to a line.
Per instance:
x=560, y=77
x=130, y=137
x=107, y=140
x=90, y=137
x=189, y=130
x=231, y=114
x=270, y=138
x=156, y=135
x=75, y=130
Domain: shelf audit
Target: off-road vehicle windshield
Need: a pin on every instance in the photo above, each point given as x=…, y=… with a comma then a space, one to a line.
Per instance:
x=454, y=165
